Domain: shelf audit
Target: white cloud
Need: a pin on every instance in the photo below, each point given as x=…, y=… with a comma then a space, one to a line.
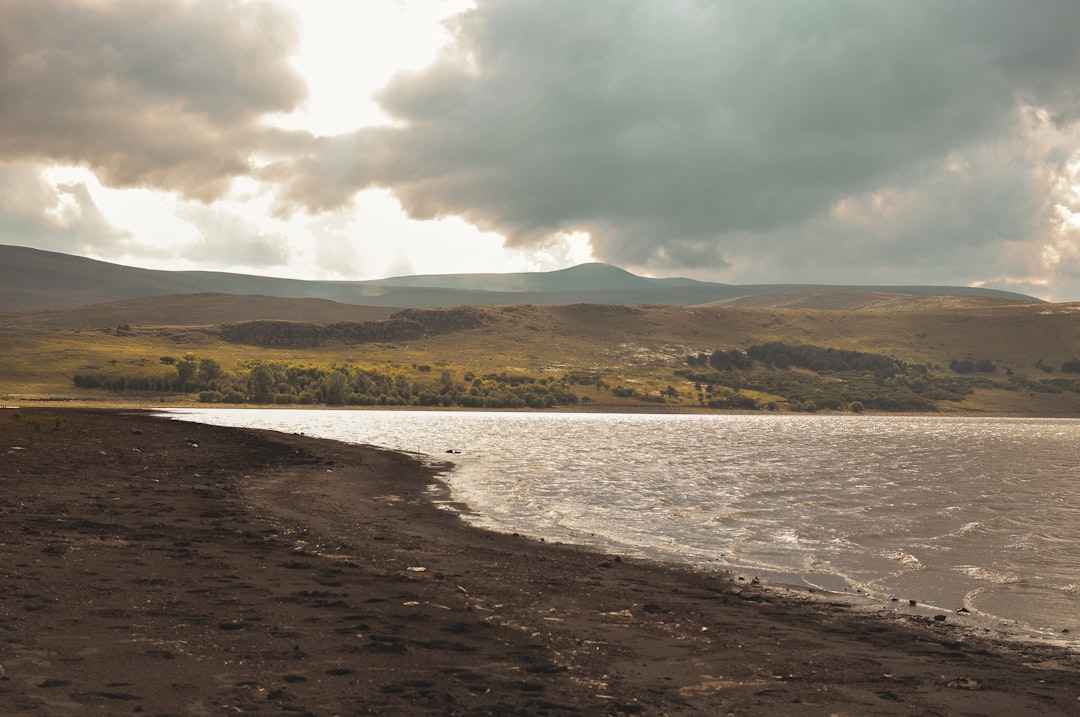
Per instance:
x=56, y=212
x=348, y=49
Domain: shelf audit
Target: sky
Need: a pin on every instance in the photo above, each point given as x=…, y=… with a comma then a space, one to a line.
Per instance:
x=808, y=141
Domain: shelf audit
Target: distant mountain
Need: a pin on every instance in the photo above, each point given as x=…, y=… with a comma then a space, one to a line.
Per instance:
x=32, y=279
x=868, y=300
x=592, y=276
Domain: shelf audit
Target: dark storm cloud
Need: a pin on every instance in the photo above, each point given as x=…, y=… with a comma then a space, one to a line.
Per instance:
x=154, y=93
x=681, y=134
x=910, y=235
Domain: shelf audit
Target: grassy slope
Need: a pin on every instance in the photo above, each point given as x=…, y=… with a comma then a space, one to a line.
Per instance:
x=195, y=309
x=637, y=348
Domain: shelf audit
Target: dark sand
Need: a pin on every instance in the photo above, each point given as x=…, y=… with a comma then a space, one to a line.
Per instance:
x=164, y=568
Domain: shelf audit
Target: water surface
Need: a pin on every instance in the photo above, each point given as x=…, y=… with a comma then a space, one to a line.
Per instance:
x=973, y=513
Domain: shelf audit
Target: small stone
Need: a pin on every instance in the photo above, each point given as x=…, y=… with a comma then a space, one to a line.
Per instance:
x=233, y=625
x=964, y=683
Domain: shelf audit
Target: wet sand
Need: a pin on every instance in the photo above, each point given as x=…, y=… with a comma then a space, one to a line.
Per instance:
x=165, y=568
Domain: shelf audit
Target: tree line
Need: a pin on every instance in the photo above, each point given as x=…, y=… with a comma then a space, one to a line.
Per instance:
x=401, y=326
x=833, y=379
x=266, y=382
x=815, y=358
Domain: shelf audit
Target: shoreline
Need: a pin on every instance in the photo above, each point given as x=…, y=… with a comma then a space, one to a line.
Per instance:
x=830, y=588
x=45, y=401
x=178, y=568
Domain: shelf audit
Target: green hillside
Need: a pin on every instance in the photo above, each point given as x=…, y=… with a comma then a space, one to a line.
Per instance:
x=881, y=353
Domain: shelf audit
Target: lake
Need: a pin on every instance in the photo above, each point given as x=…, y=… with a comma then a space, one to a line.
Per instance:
x=981, y=514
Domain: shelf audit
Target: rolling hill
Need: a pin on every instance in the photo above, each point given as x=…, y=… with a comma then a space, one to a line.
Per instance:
x=592, y=336
x=34, y=280
x=938, y=354
x=194, y=310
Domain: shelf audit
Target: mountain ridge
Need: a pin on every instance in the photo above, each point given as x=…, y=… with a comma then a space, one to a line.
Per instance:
x=35, y=279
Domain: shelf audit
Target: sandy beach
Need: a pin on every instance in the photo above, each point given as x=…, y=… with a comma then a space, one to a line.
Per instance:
x=164, y=568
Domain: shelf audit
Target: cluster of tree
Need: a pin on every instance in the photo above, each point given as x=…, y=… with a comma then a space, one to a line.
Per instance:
x=282, y=383
x=835, y=379
x=404, y=325
x=190, y=374
x=721, y=360
x=725, y=397
x=1072, y=366
x=859, y=392
x=1047, y=385
x=820, y=358
x=972, y=366
x=125, y=382
x=586, y=378
x=778, y=354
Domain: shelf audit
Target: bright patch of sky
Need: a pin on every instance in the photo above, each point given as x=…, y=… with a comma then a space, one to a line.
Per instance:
x=346, y=53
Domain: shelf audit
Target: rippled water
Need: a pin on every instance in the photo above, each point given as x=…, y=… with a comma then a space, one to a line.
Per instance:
x=979, y=513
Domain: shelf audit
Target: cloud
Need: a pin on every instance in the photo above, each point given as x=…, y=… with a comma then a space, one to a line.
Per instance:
x=59, y=217
x=792, y=140
x=976, y=217
x=150, y=93
x=227, y=239
x=729, y=134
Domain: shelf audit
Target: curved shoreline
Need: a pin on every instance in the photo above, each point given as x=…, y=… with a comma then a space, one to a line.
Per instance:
x=188, y=569
x=826, y=588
